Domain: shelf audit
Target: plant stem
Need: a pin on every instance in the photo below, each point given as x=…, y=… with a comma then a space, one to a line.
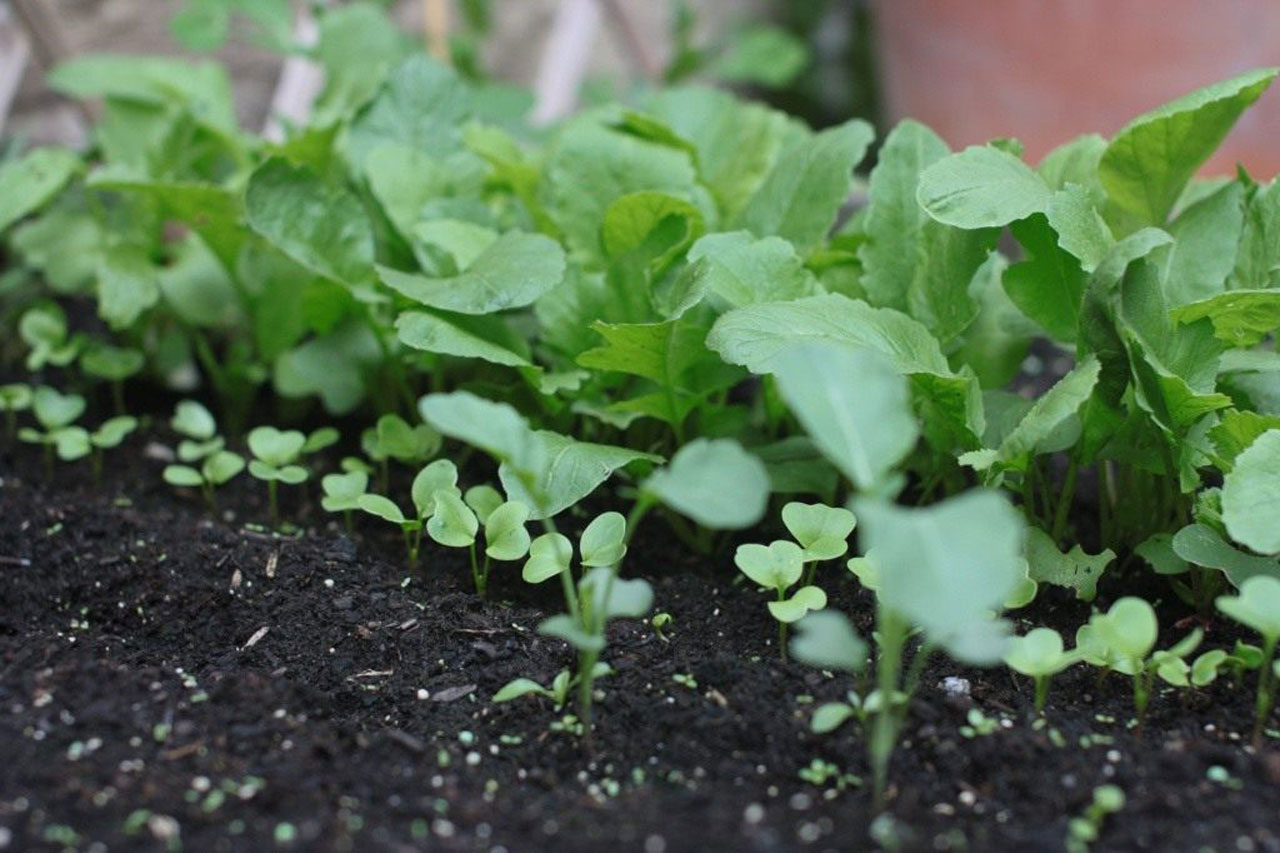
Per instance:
x=1266, y=691
x=1042, y=693
x=349, y=522
x=1065, y=499
x=117, y=396
x=782, y=629
x=273, y=503
x=884, y=733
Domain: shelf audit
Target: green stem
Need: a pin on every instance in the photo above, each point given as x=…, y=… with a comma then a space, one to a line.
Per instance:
x=884, y=732
x=349, y=521
x=1042, y=693
x=1266, y=691
x=782, y=629
x=117, y=396
x=1065, y=499
x=273, y=503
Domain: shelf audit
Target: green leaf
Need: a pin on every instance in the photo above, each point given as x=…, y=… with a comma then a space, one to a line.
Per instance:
x=322, y=227
x=1205, y=237
x=221, y=466
x=381, y=507
x=1251, y=495
x=405, y=443
x=55, y=410
x=71, y=443
x=1050, y=414
x=113, y=431
x=1048, y=286
x=762, y=55
x=505, y=536
x=565, y=628
x=743, y=270
x=1129, y=628
x=775, y=566
x=823, y=531
x=1240, y=318
x=1081, y=230
x=1074, y=570
x=982, y=187
x=511, y=273
x=1257, y=606
x=1203, y=546
x=114, y=364
x=1157, y=550
x=803, y=193
x=423, y=106
x=1236, y=430
x=626, y=598
x=358, y=43
x=1257, y=258
x=15, y=397
x=556, y=471
x=654, y=225
x=202, y=88
x=342, y=491
x=453, y=335
x=603, y=542
x=826, y=640
x=549, y=555
x=804, y=600
x=452, y=523
x=182, y=476
x=716, y=483
x=947, y=567
x=483, y=500
x=521, y=687
x=439, y=476
x=1150, y=160
x=333, y=366
x=276, y=447
x=30, y=182
x=127, y=286
x=1038, y=653
x=829, y=716
x=662, y=352
x=853, y=404
x=496, y=428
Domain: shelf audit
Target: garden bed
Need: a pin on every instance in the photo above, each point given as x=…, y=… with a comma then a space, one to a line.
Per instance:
x=168, y=676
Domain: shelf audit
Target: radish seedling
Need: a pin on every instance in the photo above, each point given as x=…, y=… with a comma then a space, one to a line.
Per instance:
x=1040, y=655
x=342, y=494
x=1257, y=606
x=558, y=692
x=777, y=567
x=275, y=458
x=1083, y=831
x=435, y=487
x=114, y=365
x=14, y=398
x=202, y=445
x=394, y=438
x=56, y=414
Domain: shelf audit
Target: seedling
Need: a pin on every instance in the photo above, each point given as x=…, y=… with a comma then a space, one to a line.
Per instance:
x=394, y=438
x=193, y=420
x=978, y=724
x=216, y=469
x=1084, y=830
x=822, y=531
x=113, y=365
x=342, y=494
x=202, y=445
x=1122, y=640
x=1257, y=606
x=659, y=622
x=44, y=329
x=434, y=489
x=14, y=398
x=505, y=535
x=110, y=434
x=275, y=458
x=558, y=692
x=777, y=567
x=1040, y=655
x=56, y=414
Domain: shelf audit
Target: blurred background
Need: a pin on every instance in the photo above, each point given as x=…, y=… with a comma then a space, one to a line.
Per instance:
x=1041, y=71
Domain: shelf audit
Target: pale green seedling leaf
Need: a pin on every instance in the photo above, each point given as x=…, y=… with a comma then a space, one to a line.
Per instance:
x=483, y=500
x=603, y=542
x=127, y=286
x=827, y=640
x=565, y=628
x=439, y=476
x=1251, y=495
x=716, y=483
x=1074, y=570
x=496, y=428
x=1202, y=545
x=451, y=335
x=558, y=471
x=775, y=566
x=452, y=524
x=823, y=531
x=114, y=364
x=521, y=687
x=1240, y=318
x=71, y=443
x=1129, y=628
x=830, y=716
x=1157, y=550
x=549, y=555
x=382, y=507
x=275, y=447
x=342, y=491
x=626, y=598
x=1038, y=653
x=1257, y=606
x=30, y=182
x=804, y=600
x=113, y=431
x=15, y=397
x=1147, y=163
x=221, y=466
x=182, y=476
x=400, y=441
x=982, y=187
x=321, y=438
x=55, y=410
x=743, y=270
x=864, y=568
x=505, y=536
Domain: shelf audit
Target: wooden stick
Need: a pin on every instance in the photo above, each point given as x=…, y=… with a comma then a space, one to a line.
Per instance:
x=564, y=59
x=632, y=42
x=435, y=19
x=300, y=82
x=15, y=54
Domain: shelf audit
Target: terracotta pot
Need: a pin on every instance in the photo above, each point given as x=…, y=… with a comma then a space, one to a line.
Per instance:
x=1048, y=70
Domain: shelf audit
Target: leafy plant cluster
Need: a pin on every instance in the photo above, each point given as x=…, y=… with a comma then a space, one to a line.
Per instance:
x=671, y=295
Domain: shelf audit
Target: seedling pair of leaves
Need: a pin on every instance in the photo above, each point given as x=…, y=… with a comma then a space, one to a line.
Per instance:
x=1257, y=606
x=559, y=690
x=394, y=438
x=822, y=533
x=201, y=444
x=276, y=457
x=56, y=413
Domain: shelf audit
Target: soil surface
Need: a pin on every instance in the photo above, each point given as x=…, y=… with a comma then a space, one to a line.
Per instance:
x=172, y=679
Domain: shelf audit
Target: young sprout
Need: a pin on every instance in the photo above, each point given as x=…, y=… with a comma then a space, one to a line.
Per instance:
x=1257, y=606
x=559, y=692
x=110, y=434
x=822, y=531
x=342, y=494
x=202, y=445
x=56, y=414
x=14, y=398
x=435, y=482
x=660, y=621
x=276, y=455
x=394, y=438
x=1083, y=831
x=1122, y=640
x=113, y=365
x=505, y=536
x=44, y=329
x=1040, y=655
x=217, y=468
x=194, y=421
x=778, y=566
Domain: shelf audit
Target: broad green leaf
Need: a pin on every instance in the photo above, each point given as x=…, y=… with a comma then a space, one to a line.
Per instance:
x=1048, y=286
x=276, y=447
x=408, y=182
x=381, y=507
x=716, y=483
x=625, y=598
x=511, y=273
x=182, y=476
x=1147, y=163
x=827, y=640
x=549, y=555
x=55, y=410
x=1157, y=550
x=1236, y=430
x=1053, y=411
x=423, y=105
x=333, y=366
x=853, y=404
x=822, y=531
x=202, y=88
x=483, y=500
x=1075, y=569
x=496, y=428
x=743, y=270
x=30, y=182
x=775, y=566
x=1203, y=253
x=1075, y=162
x=801, y=196
x=193, y=420
x=1240, y=318
x=64, y=243
x=127, y=286
x=655, y=225
x=947, y=567
x=662, y=351
x=950, y=402
x=762, y=55
x=1203, y=546
x=358, y=44
x=803, y=601
x=1251, y=495
x=1257, y=259
x=1129, y=628
x=1081, y=230
x=322, y=227
x=450, y=335
x=71, y=443
x=438, y=476
x=555, y=471
x=982, y=187
x=505, y=536
x=444, y=246
x=113, y=431
x=342, y=491
x=1257, y=606
x=221, y=466
x=1037, y=653
x=603, y=542
x=452, y=524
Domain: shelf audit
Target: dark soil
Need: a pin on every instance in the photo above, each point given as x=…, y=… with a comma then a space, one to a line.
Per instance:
x=171, y=679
